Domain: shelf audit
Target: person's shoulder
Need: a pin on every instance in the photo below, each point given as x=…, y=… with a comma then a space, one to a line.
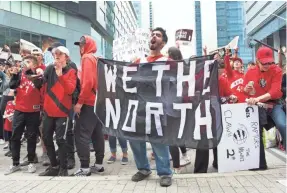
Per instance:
x=275, y=69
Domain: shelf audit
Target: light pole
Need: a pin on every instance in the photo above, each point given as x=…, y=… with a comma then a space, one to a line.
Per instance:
x=274, y=15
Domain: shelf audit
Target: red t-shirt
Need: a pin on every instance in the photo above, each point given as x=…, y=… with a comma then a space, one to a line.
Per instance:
x=265, y=82
x=10, y=109
x=235, y=80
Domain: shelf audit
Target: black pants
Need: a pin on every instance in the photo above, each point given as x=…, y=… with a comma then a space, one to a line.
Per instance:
x=174, y=152
x=88, y=127
x=20, y=121
x=202, y=157
x=59, y=125
x=70, y=139
x=3, y=104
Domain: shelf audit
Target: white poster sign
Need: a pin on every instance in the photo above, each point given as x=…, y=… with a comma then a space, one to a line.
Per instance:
x=240, y=142
x=131, y=46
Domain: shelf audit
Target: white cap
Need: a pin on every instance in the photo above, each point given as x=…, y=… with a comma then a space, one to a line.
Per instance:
x=36, y=51
x=62, y=49
x=25, y=45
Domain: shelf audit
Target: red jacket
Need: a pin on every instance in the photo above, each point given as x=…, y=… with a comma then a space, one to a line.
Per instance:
x=235, y=80
x=265, y=82
x=58, y=91
x=89, y=73
x=28, y=96
x=223, y=85
x=10, y=109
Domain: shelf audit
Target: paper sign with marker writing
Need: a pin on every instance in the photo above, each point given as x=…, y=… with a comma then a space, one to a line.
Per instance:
x=240, y=143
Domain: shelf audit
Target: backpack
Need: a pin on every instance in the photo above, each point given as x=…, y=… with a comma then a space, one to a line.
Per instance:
x=76, y=93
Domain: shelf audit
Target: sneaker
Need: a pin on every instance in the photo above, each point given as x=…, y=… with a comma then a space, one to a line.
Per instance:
x=26, y=162
x=2, y=142
x=39, y=142
x=71, y=163
x=177, y=170
x=165, y=181
x=8, y=154
x=125, y=161
x=139, y=176
x=6, y=147
x=184, y=160
x=50, y=171
x=63, y=172
x=12, y=169
x=45, y=159
x=91, y=148
x=111, y=160
x=153, y=166
x=97, y=169
x=82, y=172
x=31, y=168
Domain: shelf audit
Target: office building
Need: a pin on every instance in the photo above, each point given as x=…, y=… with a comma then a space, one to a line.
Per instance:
x=138, y=10
x=266, y=22
x=66, y=21
x=224, y=21
x=147, y=15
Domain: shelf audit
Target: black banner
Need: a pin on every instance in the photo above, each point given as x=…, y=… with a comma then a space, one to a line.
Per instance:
x=170, y=102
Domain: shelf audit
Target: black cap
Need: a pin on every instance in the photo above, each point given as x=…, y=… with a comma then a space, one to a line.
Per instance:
x=81, y=42
x=54, y=45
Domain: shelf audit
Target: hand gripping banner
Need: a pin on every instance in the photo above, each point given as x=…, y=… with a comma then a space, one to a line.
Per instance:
x=170, y=102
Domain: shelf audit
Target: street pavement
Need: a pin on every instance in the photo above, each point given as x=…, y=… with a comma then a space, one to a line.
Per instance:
x=116, y=178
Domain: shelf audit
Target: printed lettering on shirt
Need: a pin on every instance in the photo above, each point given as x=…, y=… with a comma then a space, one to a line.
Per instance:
x=36, y=107
x=26, y=84
x=236, y=83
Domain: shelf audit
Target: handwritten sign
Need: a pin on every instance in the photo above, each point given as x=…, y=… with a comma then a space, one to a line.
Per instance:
x=239, y=145
x=131, y=46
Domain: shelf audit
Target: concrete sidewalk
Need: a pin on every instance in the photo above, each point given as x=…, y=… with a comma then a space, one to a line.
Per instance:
x=117, y=178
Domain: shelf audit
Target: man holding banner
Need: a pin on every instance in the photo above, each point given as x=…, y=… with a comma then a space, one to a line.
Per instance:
x=161, y=151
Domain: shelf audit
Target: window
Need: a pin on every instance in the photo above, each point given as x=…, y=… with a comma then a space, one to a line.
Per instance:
x=61, y=19
x=36, y=40
x=53, y=16
x=36, y=11
x=45, y=13
x=26, y=36
x=5, y=5
x=14, y=36
x=26, y=8
x=16, y=7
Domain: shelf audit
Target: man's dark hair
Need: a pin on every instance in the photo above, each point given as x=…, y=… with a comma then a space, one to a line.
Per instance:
x=163, y=32
x=33, y=58
x=251, y=63
x=174, y=53
x=220, y=63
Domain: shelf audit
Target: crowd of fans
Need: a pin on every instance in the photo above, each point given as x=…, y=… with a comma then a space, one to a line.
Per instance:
x=45, y=99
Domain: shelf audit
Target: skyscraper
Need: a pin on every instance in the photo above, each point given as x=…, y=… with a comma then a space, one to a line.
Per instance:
x=230, y=22
x=138, y=10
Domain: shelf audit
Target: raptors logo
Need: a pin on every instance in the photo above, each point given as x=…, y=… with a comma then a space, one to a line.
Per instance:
x=240, y=136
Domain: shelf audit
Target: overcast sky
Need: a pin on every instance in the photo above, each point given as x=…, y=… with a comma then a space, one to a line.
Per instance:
x=179, y=14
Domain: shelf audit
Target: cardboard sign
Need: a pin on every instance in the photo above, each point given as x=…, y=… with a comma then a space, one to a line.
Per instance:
x=240, y=142
x=183, y=35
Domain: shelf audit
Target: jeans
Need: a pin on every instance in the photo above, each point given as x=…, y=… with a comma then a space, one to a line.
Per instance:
x=161, y=153
x=113, y=144
x=279, y=118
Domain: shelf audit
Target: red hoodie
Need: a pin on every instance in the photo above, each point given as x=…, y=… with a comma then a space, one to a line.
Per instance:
x=89, y=73
x=265, y=82
x=235, y=80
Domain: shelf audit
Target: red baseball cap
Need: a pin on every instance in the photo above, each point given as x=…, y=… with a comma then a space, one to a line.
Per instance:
x=265, y=55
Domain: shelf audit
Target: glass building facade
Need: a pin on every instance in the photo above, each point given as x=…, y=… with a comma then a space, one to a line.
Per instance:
x=198, y=29
x=230, y=23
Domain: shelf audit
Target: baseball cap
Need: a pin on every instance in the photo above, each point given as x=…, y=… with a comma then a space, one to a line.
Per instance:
x=265, y=55
x=54, y=45
x=61, y=49
x=81, y=42
x=36, y=51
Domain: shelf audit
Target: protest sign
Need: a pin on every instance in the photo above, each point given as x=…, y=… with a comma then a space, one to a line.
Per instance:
x=240, y=142
x=183, y=36
x=132, y=45
x=233, y=44
x=168, y=102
